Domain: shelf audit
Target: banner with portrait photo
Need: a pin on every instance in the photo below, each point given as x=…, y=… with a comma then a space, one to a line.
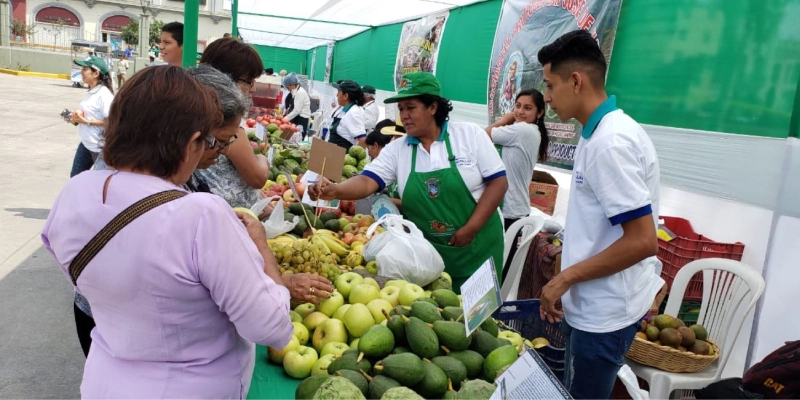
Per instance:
x=525, y=26
x=419, y=46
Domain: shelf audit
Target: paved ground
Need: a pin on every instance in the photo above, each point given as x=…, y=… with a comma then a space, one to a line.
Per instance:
x=39, y=352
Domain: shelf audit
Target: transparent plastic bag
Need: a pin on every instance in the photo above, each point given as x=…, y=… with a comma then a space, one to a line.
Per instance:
x=402, y=252
x=276, y=224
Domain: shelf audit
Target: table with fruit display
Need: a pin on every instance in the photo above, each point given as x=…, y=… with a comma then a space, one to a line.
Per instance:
x=376, y=337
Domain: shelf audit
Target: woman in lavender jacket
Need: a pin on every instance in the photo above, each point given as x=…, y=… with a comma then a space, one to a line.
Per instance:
x=179, y=295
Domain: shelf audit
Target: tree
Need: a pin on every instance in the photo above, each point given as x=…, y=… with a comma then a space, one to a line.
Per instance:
x=56, y=28
x=20, y=29
x=130, y=33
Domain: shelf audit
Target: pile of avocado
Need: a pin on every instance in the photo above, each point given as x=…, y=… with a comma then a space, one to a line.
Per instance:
x=423, y=352
x=327, y=220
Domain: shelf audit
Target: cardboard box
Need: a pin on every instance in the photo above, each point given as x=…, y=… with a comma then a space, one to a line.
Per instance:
x=543, y=192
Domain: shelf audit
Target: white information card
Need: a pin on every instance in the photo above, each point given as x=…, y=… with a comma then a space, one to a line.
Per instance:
x=480, y=296
x=529, y=378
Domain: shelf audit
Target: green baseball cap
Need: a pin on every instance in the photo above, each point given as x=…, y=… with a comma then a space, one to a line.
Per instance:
x=95, y=63
x=416, y=84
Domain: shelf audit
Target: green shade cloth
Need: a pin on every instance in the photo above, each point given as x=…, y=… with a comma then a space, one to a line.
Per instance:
x=269, y=380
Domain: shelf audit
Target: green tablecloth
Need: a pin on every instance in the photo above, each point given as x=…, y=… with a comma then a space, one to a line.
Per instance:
x=269, y=380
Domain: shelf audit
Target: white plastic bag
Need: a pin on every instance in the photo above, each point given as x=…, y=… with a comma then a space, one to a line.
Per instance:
x=628, y=378
x=276, y=224
x=402, y=252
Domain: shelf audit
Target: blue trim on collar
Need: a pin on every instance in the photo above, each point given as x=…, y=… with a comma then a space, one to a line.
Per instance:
x=412, y=140
x=347, y=108
x=597, y=115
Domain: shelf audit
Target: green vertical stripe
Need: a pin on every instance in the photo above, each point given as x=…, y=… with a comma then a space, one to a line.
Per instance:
x=794, y=124
x=235, y=18
x=319, y=67
x=191, y=16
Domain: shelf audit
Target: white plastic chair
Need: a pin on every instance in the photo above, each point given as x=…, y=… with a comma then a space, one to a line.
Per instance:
x=730, y=291
x=530, y=226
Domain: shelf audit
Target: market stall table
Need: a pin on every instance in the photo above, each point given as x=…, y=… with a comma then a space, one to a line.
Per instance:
x=269, y=380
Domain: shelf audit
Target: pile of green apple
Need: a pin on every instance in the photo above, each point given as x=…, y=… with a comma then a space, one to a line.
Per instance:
x=334, y=326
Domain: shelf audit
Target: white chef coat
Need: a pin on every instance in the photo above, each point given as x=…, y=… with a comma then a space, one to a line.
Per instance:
x=371, y=114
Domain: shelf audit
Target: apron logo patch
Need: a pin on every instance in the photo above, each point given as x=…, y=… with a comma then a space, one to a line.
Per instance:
x=432, y=187
x=440, y=227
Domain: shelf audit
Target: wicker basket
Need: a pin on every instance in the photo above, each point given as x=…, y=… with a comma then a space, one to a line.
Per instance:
x=669, y=359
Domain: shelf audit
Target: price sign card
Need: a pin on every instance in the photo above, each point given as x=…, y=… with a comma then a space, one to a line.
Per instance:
x=480, y=295
x=327, y=156
x=310, y=178
x=529, y=378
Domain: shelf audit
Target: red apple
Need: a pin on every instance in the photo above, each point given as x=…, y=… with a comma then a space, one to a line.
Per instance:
x=251, y=123
x=259, y=119
x=301, y=188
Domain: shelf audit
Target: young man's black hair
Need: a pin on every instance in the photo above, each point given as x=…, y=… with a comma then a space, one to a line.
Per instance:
x=576, y=50
x=176, y=30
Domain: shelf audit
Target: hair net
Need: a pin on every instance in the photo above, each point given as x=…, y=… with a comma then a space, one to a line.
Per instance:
x=291, y=79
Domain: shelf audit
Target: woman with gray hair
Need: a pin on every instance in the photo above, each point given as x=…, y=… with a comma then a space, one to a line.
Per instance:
x=215, y=171
x=298, y=111
x=234, y=107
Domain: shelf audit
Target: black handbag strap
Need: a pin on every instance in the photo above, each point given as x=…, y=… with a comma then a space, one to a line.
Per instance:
x=112, y=228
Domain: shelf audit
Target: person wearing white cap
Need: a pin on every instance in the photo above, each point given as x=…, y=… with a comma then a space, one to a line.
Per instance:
x=299, y=111
x=371, y=111
x=93, y=112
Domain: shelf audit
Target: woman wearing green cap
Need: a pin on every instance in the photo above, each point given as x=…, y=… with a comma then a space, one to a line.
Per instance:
x=92, y=112
x=450, y=185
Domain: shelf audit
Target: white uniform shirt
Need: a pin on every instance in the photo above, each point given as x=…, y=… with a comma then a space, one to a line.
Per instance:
x=470, y=145
x=615, y=180
x=371, y=114
x=351, y=126
x=95, y=105
x=302, y=104
x=520, y=143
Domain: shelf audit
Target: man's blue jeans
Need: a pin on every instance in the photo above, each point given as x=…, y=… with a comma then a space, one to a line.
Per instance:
x=593, y=360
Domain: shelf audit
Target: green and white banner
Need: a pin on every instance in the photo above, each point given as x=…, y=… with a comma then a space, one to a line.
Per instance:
x=525, y=26
x=419, y=46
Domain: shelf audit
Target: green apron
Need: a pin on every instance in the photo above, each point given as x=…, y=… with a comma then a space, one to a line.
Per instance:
x=439, y=203
x=392, y=191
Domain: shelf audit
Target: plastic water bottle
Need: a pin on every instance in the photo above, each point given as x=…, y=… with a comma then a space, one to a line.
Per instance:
x=325, y=129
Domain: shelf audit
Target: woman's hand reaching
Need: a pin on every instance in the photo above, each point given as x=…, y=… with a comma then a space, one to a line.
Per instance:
x=308, y=288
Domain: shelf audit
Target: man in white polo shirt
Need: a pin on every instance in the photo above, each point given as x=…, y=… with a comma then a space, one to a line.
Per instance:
x=609, y=277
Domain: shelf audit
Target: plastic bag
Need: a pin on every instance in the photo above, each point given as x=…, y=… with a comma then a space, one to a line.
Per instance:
x=628, y=378
x=276, y=224
x=402, y=252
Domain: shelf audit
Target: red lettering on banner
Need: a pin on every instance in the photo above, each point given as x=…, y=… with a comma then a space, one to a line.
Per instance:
x=588, y=24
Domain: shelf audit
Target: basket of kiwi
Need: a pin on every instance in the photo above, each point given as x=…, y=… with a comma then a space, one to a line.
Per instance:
x=666, y=343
